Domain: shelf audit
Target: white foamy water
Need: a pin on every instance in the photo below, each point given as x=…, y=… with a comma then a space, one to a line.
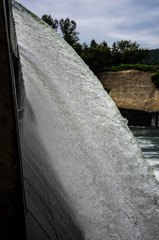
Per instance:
x=82, y=165
x=148, y=139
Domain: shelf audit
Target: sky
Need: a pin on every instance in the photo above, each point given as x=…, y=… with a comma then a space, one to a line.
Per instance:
x=106, y=20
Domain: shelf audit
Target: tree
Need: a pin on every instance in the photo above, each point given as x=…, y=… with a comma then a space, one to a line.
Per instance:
x=50, y=21
x=96, y=56
x=68, y=32
x=116, y=55
x=153, y=58
x=67, y=29
x=127, y=52
x=93, y=44
x=78, y=48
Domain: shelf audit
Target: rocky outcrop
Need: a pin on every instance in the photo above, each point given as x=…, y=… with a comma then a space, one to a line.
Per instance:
x=131, y=89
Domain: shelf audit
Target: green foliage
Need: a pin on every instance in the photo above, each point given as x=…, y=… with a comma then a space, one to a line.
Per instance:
x=68, y=32
x=78, y=48
x=67, y=29
x=96, y=56
x=50, y=21
x=155, y=79
x=141, y=67
x=127, y=52
x=153, y=58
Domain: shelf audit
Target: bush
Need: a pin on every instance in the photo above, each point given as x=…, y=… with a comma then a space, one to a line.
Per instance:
x=141, y=67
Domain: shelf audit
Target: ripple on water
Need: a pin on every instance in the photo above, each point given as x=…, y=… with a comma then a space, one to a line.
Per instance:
x=148, y=140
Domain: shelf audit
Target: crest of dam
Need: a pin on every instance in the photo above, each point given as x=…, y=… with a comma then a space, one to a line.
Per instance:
x=84, y=174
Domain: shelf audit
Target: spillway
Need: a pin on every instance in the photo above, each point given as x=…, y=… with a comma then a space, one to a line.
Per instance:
x=84, y=174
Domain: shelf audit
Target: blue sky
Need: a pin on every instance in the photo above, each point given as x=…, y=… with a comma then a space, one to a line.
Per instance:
x=109, y=20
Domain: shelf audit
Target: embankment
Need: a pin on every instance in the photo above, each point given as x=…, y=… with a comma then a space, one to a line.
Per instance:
x=134, y=94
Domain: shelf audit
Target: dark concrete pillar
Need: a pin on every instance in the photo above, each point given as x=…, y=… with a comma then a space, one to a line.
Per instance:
x=12, y=207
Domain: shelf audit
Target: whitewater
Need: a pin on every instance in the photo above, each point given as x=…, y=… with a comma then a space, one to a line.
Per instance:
x=85, y=177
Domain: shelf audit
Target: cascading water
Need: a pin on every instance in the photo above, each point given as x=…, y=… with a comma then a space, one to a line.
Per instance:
x=84, y=174
x=148, y=139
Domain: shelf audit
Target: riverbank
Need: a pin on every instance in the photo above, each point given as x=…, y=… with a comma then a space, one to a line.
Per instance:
x=132, y=89
x=134, y=94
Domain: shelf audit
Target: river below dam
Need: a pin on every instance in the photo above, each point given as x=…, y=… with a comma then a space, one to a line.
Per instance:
x=148, y=140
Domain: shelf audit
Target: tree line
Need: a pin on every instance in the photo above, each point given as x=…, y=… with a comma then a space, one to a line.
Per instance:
x=98, y=56
x=153, y=58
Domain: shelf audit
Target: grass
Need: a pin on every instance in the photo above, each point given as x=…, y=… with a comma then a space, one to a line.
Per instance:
x=141, y=67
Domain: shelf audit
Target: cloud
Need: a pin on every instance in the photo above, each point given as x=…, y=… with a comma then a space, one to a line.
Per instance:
x=135, y=20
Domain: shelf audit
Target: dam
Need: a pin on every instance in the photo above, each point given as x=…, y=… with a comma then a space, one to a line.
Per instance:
x=81, y=170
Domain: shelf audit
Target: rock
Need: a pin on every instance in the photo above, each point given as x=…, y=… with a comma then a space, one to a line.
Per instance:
x=132, y=89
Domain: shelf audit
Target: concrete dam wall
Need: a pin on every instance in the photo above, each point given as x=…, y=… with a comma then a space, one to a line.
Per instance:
x=12, y=201
x=84, y=174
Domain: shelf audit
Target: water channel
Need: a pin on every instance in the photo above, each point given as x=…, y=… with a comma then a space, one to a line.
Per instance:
x=148, y=139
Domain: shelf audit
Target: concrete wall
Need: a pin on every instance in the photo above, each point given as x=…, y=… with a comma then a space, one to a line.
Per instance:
x=12, y=212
